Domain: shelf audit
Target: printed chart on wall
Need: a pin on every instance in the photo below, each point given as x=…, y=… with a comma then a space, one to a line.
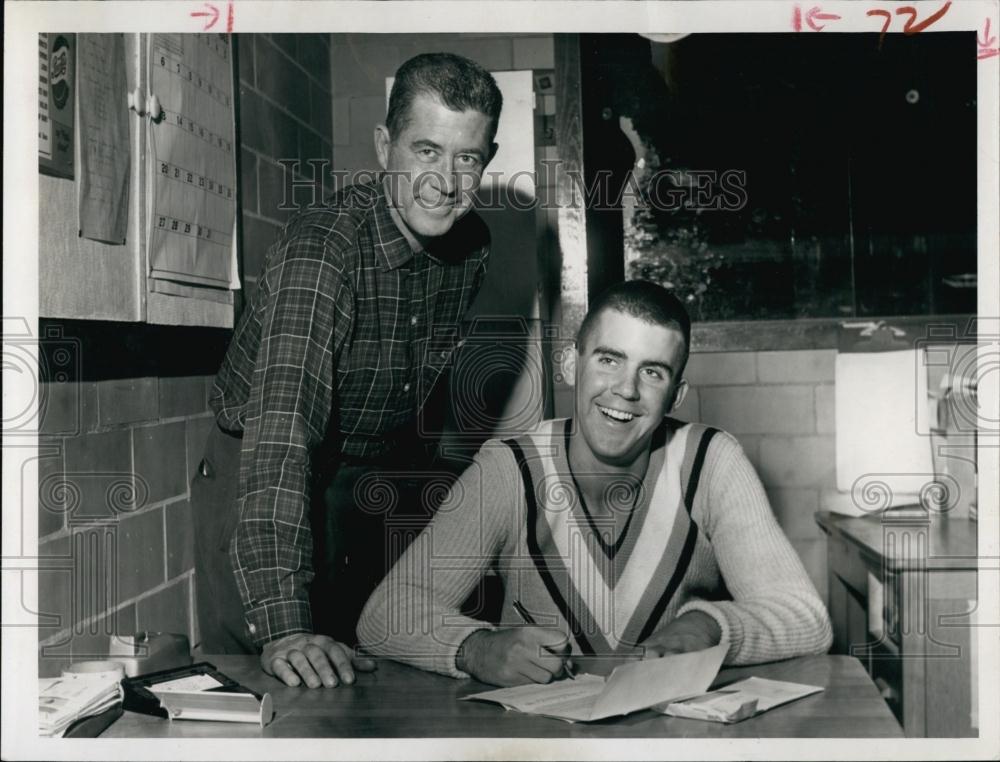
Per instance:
x=56, y=86
x=192, y=156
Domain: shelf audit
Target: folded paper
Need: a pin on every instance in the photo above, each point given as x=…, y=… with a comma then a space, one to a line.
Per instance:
x=739, y=700
x=629, y=688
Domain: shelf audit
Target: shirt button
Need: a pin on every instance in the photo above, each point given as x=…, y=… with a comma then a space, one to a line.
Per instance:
x=443, y=355
x=413, y=320
x=252, y=627
x=406, y=387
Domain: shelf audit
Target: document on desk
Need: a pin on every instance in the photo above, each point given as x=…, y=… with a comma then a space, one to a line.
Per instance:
x=740, y=700
x=629, y=688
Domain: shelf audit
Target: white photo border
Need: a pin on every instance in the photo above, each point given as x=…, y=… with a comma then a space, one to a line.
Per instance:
x=25, y=19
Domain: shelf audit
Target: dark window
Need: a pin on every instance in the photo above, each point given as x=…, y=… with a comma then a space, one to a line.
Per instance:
x=858, y=166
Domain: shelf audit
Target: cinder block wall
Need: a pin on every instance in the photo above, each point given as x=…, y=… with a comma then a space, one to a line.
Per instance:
x=780, y=407
x=361, y=62
x=285, y=115
x=123, y=417
x=126, y=416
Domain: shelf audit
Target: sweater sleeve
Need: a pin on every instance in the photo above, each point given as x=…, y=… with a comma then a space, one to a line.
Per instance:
x=775, y=611
x=414, y=614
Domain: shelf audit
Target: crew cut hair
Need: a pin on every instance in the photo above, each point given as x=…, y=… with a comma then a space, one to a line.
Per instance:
x=459, y=83
x=645, y=300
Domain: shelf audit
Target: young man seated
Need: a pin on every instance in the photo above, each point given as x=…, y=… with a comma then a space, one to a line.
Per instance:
x=619, y=532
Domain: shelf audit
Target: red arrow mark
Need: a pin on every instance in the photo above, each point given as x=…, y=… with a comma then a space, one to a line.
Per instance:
x=816, y=14
x=985, y=51
x=212, y=11
x=913, y=28
x=987, y=40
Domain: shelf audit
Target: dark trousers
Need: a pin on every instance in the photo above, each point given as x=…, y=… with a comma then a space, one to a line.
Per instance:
x=362, y=517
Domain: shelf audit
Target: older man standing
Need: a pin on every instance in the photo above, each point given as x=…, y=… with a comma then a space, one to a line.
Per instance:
x=326, y=374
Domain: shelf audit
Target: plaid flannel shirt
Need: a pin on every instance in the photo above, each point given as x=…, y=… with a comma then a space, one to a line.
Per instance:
x=348, y=333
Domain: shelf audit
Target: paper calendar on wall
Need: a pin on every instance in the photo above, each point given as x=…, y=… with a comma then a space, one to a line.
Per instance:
x=192, y=161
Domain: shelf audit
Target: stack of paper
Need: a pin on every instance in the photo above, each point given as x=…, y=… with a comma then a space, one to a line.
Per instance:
x=64, y=700
x=629, y=688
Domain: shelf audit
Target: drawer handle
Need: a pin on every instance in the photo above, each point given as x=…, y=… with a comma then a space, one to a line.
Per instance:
x=205, y=469
x=885, y=690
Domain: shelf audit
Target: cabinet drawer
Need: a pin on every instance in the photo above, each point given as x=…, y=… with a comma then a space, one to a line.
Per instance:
x=887, y=672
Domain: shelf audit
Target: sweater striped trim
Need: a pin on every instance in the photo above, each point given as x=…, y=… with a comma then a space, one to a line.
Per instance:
x=539, y=558
x=689, y=540
x=608, y=609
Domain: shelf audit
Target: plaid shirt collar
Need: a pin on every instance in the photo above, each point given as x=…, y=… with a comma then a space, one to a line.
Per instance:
x=392, y=249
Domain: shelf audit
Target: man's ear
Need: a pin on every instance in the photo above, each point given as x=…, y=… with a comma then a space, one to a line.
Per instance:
x=382, y=141
x=569, y=359
x=679, y=395
x=493, y=152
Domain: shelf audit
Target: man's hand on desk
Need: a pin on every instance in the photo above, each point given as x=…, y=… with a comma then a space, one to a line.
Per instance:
x=317, y=660
x=693, y=631
x=514, y=655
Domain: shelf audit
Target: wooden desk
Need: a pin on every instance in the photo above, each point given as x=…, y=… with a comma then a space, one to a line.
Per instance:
x=901, y=598
x=401, y=702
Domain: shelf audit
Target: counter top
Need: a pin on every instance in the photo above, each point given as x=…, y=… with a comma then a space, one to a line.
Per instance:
x=950, y=543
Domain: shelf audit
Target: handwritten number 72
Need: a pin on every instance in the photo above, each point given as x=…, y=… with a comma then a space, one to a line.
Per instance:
x=912, y=26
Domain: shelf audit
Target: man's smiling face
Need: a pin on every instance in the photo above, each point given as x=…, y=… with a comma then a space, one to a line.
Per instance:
x=434, y=165
x=626, y=382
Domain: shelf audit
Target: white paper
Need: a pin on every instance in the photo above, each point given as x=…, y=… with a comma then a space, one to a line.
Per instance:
x=881, y=459
x=772, y=693
x=192, y=160
x=102, y=178
x=63, y=700
x=190, y=683
x=629, y=688
x=724, y=704
x=566, y=699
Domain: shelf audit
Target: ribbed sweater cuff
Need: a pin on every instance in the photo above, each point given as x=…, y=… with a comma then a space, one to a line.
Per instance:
x=449, y=661
x=732, y=630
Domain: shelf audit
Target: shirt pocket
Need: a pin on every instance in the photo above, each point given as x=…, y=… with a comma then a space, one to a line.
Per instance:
x=436, y=357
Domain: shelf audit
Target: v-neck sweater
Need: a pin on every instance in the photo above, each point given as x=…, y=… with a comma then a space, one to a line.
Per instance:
x=712, y=546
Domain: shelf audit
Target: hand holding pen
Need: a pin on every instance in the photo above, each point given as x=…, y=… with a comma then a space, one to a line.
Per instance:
x=522, y=612
x=515, y=655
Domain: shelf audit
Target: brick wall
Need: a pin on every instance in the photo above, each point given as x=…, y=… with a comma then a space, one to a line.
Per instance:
x=361, y=63
x=126, y=418
x=779, y=405
x=285, y=115
x=123, y=417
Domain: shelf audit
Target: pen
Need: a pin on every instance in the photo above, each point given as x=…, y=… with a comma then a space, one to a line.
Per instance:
x=529, y=619
x=523, y=613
